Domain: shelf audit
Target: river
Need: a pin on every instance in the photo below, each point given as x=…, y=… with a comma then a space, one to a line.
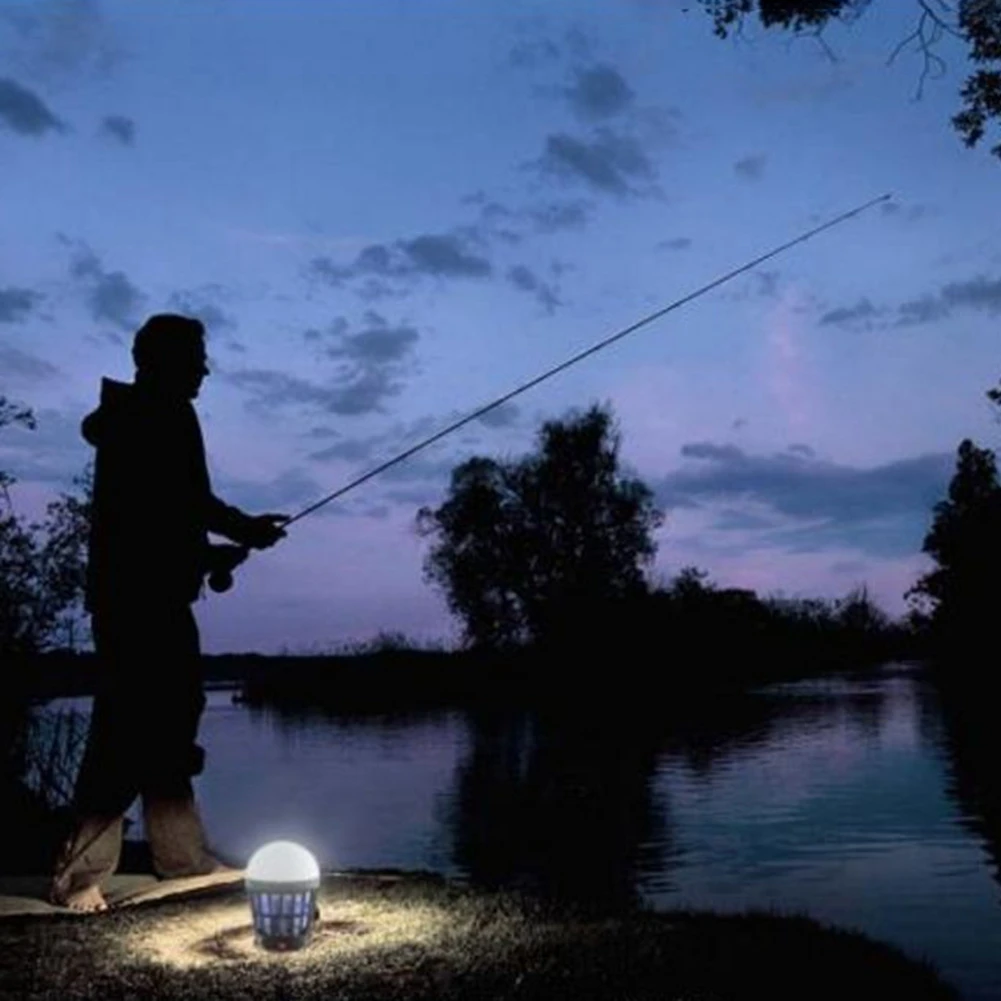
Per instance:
x=856, y=800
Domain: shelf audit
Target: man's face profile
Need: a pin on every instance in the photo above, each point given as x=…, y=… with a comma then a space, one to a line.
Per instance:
x=184, y=371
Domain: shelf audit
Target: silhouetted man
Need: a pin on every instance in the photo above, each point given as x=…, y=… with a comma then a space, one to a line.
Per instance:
x=153, y=508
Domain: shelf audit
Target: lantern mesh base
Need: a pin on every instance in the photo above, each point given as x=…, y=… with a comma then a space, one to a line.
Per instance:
x=283, y=921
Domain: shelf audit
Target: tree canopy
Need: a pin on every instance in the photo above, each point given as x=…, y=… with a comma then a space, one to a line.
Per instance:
x=959, y=596
x=977, y=22
x=522, y=545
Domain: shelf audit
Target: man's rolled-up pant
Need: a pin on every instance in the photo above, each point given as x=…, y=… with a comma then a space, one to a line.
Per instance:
x=142, y=742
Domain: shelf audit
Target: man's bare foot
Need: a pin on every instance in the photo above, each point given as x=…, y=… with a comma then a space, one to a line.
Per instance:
x=89, y=900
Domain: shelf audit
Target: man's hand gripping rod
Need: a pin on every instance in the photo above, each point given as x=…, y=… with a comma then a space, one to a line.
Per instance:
x=229, y=557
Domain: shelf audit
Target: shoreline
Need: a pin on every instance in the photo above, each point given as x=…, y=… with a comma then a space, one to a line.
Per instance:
x=398, y=935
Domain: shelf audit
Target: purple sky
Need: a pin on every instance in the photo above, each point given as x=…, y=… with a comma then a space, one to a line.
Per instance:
x=390, y=213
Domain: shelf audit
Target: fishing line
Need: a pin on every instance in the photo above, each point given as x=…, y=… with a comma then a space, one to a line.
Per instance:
x=576, y=358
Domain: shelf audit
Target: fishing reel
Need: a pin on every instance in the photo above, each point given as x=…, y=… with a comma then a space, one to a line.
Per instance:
x=222, y=561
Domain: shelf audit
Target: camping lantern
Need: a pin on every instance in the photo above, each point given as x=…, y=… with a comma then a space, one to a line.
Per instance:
x=282, y=880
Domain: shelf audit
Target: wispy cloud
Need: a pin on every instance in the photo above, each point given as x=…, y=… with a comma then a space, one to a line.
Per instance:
x=201, y=303
x=751, y=168
x=599, y=92
x=608, y=162
x=979, y=294
x=395, y=267
x=20, y=364
x=119, y=127
x=61, y=40
x=370, y=364
x=24, y=112
x=523, y=278
x=861, y=313
x=111, y=295
x=677, y=243
x=290, y=490
x=883, y=510
x=910, y=213
x=16, y=303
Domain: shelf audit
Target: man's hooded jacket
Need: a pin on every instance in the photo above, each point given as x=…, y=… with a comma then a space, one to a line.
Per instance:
x=153, y=505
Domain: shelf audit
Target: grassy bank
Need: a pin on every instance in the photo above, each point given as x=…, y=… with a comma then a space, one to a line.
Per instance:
x=419, y=937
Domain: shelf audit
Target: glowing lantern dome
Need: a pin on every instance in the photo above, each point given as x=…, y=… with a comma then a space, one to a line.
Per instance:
x=282, y=880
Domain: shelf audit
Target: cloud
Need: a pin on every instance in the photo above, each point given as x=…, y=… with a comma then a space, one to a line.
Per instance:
x=923, y=310
x=16, y=303
x=540, y=49
x=523, y=278
x=351, y=450
x=292, y=489
x=199, y=304
x=271, y=390
x=502, y=222
x=25, y=112
x=557, y=215
x=438, y=255
x=532, y=53
x=503, y=416
x=607, y=162
x=370, y=366
x=119, y=127
x=980, y=293
x=884, y=510
x=442, y=255
x=60, y=40
x=377, y=344
x=599, y=92
x=418, y=479
x=370, y=449
x=750, y=167
x=111, y=296
x=768, y=283
x=52, y=454
x=845, y=316
x=911, y=214
x=17, y=363
x=678, y=243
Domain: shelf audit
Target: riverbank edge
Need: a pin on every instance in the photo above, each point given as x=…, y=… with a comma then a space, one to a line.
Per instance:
x=486, y=945
x=418, y=679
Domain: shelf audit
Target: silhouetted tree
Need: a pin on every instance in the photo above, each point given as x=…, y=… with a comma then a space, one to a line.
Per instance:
x=977, y=22
x=523, y=548
x=959, y=596
x=42, y=565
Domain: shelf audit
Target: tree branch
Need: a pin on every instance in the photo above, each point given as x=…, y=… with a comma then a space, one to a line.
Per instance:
x=928, y=32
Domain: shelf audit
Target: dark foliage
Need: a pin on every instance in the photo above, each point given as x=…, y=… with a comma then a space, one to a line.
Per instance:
x=977, y=22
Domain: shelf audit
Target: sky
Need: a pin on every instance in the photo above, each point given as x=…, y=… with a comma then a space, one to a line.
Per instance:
x=389, y=214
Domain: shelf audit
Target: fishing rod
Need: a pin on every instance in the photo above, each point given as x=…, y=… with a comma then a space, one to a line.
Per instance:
x=221, y=579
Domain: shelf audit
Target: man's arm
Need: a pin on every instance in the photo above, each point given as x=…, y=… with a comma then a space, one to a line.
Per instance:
x=252, y=531
x=224, y=519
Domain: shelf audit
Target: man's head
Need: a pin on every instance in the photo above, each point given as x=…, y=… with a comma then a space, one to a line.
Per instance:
x=169, y=352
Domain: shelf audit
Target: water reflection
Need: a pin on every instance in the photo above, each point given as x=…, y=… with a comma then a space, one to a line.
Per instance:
x=970, y=732
x=558, y=803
